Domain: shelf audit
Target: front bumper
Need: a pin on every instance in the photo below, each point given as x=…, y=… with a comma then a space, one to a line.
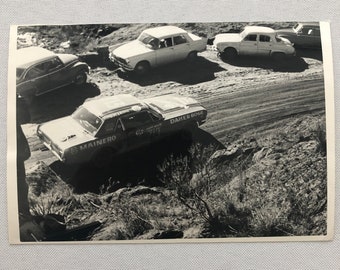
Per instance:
x=122, y=63
x=50, y=146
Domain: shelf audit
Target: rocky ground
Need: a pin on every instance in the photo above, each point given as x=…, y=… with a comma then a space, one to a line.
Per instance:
x=268, y=116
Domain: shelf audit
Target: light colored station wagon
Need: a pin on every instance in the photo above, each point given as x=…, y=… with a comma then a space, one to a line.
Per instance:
x=253, y=40
x=157, y=46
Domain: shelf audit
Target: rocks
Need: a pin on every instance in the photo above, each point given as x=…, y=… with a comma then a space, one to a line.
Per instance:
x=245, y=147
x=169, y=234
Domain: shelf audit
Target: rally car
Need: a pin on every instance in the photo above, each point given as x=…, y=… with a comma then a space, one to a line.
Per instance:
x=102, y=128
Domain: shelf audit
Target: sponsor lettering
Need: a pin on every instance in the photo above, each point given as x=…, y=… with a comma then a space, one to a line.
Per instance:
x=97, y=143
x=185, y=117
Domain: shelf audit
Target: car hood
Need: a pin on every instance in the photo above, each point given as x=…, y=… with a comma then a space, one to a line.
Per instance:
x=64, y=132
x=68, y=58
x=131, y=49
x=227, y=38
x=168, y=104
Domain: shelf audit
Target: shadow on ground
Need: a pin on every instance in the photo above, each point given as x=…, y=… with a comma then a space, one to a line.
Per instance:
x=184, y=72
x=309, y=53
x=60, y=102
x=137, y=167
x=292, y=64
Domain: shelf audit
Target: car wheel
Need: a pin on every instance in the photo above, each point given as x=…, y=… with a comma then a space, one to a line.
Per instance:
x=142, y=68
x=80, y=78
x=103, y=157
x=192, y=56
x=278, y=56
x=230, y=53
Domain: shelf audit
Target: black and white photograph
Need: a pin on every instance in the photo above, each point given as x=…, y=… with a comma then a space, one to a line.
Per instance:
x=171, y=132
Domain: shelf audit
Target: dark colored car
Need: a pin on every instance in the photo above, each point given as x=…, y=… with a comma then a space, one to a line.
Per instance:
x=303, y=35
x=39, y=70
x=102, y=128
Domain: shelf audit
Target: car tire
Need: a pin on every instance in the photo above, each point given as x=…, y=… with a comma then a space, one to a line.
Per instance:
x=279, y=56
x=192, y=56
x=103, y=157
x=80, y=78
x=142, y=68
x=230, y=53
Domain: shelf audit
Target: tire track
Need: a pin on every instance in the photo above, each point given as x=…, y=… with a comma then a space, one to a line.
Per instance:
x=255, y=107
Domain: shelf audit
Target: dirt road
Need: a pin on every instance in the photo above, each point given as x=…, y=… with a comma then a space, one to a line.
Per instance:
x=239, y=96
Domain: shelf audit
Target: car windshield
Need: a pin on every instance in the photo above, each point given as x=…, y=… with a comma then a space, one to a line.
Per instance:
x=149, y=40
x=297, y=27
x=87, y=120
x=243, y=34
x=145, y=38
x=278, y=39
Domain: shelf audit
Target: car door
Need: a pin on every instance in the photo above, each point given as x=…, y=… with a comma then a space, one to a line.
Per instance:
x=165, y=53
x=308, y=36
x=181, y=47
x=36, y=79
x=59, y=75
x=248, y=46
x=136, y=126
x=311, y=37
x=264, y=45
x=112, y=131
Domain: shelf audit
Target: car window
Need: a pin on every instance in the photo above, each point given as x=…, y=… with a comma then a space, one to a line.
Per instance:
x=264, y=38
x=108, y=127
x=167, y=42
x=250, y=38
x=179, y=40
x=136, y=120
x=87, y=120
x=37, y=71
x=54, y=64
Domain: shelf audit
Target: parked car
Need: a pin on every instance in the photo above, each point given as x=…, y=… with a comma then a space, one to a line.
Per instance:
x=157, y=46
x=39, y=70
x=102, y=128
x=304, y=35
x=253, y=40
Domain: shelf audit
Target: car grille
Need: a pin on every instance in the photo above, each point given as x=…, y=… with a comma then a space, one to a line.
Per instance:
x=51, y=146
x=120, y=60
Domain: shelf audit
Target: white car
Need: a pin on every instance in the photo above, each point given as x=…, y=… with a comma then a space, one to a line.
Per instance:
x=157, y=46
x=253, y=40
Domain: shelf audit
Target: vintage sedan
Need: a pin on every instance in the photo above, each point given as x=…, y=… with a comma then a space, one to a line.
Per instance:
x=39, y=70
x=303, y=35
x=157, y=46
x=253, y=40
x=102, y=128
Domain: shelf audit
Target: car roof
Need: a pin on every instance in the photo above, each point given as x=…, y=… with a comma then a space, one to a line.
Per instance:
x=109, y=106
x=162, y=31
x=310, y=23
x=30, y=55
x=259, y=29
